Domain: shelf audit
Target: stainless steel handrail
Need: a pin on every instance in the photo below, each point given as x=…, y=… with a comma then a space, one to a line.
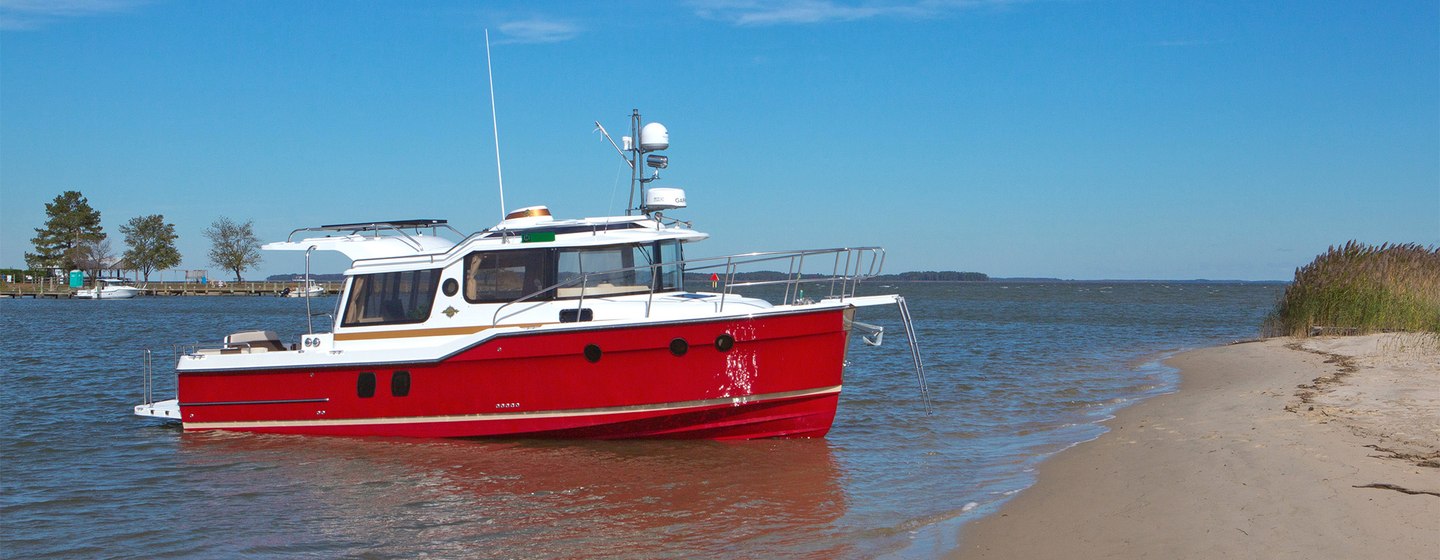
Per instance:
x=505, y=236
x=379, y=227
x=196, y=348
x=855, y=270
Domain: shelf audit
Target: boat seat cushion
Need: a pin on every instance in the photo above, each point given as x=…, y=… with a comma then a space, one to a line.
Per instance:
x=255, y=339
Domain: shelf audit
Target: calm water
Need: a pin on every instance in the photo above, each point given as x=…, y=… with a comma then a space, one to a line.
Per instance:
x=1017, y=372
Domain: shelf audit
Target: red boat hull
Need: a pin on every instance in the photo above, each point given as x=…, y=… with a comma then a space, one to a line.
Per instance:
x=780, y=378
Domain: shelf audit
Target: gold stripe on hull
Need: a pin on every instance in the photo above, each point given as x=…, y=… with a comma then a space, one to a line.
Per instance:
x=411, y=333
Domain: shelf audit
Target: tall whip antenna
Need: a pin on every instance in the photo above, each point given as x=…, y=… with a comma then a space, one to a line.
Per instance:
x=494, y=124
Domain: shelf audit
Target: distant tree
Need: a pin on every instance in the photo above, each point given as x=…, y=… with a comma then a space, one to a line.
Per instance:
x=233, y=246
x=70, y=223
x=939, y=276
x=152, y=244
x=94, y=256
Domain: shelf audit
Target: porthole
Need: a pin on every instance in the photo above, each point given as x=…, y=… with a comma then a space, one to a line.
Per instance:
x=679, y=347
x=724, y=342
x=400, y=383
x=365, y=385
x=592, y=353
x=450, y=287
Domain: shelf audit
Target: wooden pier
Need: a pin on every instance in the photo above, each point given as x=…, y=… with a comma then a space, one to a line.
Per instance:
x=272, y=289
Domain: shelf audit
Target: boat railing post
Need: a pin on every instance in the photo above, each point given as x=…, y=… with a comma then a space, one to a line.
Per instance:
x=651, y=298
x=859, y=263
x=789, y=282
x=729, y=276
x=847, y=276
x=309, y=326
x=835, y=273
x=860, y=257
x=584, y=281
x=799, y=277
x=850, y=255
x=148, y=365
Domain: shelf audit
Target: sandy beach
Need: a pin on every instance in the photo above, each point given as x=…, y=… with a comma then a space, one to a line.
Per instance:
x=1283, y=448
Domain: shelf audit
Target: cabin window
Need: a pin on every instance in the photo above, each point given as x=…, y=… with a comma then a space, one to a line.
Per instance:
x=504, y=276
x=595, y=261
x=391, y=298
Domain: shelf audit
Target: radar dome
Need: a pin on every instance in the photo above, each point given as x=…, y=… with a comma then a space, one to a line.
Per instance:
x=664, y=199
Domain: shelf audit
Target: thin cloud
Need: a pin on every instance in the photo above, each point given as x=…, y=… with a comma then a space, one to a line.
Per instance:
x=800, y=12
x=743, y=12
x=537, y=30
x=20, y=15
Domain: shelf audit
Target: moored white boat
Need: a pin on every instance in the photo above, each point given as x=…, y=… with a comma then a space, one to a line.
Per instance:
x=303, y=288
x=109, y=288
x=539, y=327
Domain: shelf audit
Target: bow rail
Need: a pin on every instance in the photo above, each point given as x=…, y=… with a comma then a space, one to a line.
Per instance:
x=848, y=266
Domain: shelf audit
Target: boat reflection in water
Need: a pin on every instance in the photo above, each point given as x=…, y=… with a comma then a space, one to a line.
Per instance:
x=517, y=499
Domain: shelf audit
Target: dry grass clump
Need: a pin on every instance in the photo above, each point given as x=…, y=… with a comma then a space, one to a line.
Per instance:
x=1360, y=288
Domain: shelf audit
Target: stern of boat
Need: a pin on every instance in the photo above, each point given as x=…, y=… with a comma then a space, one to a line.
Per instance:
x=165, y=410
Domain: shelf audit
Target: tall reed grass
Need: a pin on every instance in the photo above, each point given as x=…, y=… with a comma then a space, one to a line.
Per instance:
x=1362, y=288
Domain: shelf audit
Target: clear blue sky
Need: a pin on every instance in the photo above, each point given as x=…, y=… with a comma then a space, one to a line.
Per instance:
x=1070, y=138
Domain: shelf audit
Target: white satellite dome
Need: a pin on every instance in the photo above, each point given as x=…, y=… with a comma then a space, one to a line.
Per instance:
x=653, y=137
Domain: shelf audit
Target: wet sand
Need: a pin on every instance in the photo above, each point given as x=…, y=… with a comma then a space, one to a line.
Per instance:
x=1284, y=448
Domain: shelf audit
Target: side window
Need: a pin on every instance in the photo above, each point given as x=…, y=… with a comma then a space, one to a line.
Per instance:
x=504, y=276
x=391, y=298
x=604, y=265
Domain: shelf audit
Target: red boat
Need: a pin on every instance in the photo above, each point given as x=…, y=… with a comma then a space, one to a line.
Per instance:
x=538, y=327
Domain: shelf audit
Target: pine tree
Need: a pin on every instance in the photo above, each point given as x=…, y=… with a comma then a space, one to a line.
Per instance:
x=71, y=224
x=151, y=244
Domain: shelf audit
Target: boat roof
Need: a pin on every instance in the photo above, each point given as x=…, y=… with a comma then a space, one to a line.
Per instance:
x=389, y=224
x=357, y=246
x=387, y=243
